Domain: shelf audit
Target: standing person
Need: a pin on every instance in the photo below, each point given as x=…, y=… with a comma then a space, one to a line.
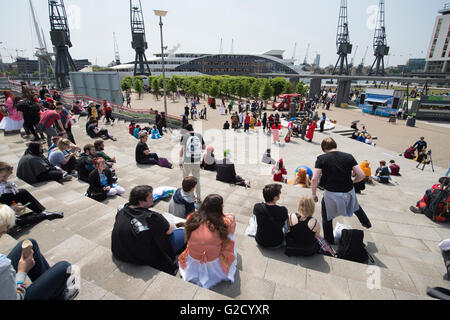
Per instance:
x=66, y=122
x=47, y=120
x=192, y=145
x=322, y=121
x=30, y=114
x=164, y=121
x=204, y=113
x=108, y=112
x=128, y=100
x=235, y=121
x=210, y=256
x=246, y=122
x=420, y=144
x=13, y=121
x=276, y=128
x=334, y=169
x=264, y=121
x=271, y=218
x=159, y=122
x=241, y=119
x=311, y=129
x=186, y=111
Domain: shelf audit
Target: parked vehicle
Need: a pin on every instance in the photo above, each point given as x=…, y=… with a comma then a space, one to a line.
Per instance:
x=283, y=101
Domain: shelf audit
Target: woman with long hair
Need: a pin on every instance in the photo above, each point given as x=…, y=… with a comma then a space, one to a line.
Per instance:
x=210, y=255
x=209, y=160
x=12, y=120
x=101, y=185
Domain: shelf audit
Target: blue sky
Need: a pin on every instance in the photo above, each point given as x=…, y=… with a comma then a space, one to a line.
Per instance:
x=255, y=26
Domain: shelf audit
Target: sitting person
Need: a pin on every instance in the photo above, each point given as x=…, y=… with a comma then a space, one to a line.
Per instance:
x=155, y=133
x=278, y=171
x=20, y=199
x=226, y=125
x=209, y=161
x=302, y=178
x=100, y=153
x=67, y=162
x=144, y=237
x=101, y=185
x=142, y=153
x=270, y=218
x=210, y=256
x=369, y=140
x=88, y=123
x=410, y=153
x=437, y=211
x=131, y=128
x=383, y=173
x=395, y=168
x=182, y=203
x=267, y=158
x=303, y=237
x=95, y=132
x=86, y=163
x=48, y=283
x=136, y=131
x=78, y=109
x=226, y=172
x=365, y=166
x=33, y=167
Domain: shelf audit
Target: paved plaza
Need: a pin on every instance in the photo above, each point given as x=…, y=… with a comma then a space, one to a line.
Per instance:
x=404, y=245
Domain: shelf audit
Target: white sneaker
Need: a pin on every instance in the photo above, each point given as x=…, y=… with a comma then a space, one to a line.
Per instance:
x=74, y=174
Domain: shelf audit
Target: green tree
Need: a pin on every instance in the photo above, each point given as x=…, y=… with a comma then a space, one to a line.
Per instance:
x=138, y=85
x=214, y=90
x=266, y=92
x=255, y=89
x=278, y=85
x=126, y=83
x=193, y=89
x=302, y=88
x=172, y=87
x=156, y=86
x=289, y=87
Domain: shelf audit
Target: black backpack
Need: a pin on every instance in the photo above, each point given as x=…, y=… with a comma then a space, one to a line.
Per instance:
x=351, y=246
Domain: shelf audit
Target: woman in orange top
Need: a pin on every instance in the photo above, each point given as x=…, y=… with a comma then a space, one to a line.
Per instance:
x=210, y=255
x=365, y=166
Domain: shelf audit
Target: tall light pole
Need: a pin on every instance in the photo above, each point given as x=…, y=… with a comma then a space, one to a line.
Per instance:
x=160, y=14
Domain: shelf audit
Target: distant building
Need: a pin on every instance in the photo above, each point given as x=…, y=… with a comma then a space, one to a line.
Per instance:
x=80, y=64
x=416, y=65
x=317, y=60
x=438, y=56
x=25, y=66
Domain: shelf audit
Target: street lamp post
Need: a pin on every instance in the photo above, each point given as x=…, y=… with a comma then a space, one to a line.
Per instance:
x=160, y=14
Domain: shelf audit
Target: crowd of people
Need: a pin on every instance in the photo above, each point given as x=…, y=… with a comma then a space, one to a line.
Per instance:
x=201, y=245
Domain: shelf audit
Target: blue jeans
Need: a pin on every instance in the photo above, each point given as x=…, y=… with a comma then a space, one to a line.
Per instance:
x=177, y=240
x=448, y=171
x=48, y=283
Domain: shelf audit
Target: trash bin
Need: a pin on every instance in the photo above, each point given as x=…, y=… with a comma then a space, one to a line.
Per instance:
x=411, y=122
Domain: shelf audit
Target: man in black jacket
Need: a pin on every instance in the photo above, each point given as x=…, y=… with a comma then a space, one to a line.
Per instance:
x=144, y=237
x=86, y=163
x=30, y=114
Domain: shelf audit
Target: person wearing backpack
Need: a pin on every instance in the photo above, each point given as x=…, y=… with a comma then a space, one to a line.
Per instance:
x=192, y=146
x=334, y=170
x=435, y=204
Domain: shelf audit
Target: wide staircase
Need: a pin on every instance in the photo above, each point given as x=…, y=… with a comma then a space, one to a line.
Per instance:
x=404, y=245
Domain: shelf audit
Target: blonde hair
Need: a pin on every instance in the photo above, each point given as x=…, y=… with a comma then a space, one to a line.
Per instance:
x=63, y=143
x=7, y=216
x=306, y=206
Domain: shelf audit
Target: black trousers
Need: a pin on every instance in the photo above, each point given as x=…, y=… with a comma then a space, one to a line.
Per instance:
x=322, y=126
x=51, y=175
x=70, y=135
x=328, y=225
x=152, y=158
x=70, y=166
x=24, y=197
x=31, y=128
x=109, y=117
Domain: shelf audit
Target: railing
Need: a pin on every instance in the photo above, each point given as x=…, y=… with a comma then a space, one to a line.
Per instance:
x=115, y=106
